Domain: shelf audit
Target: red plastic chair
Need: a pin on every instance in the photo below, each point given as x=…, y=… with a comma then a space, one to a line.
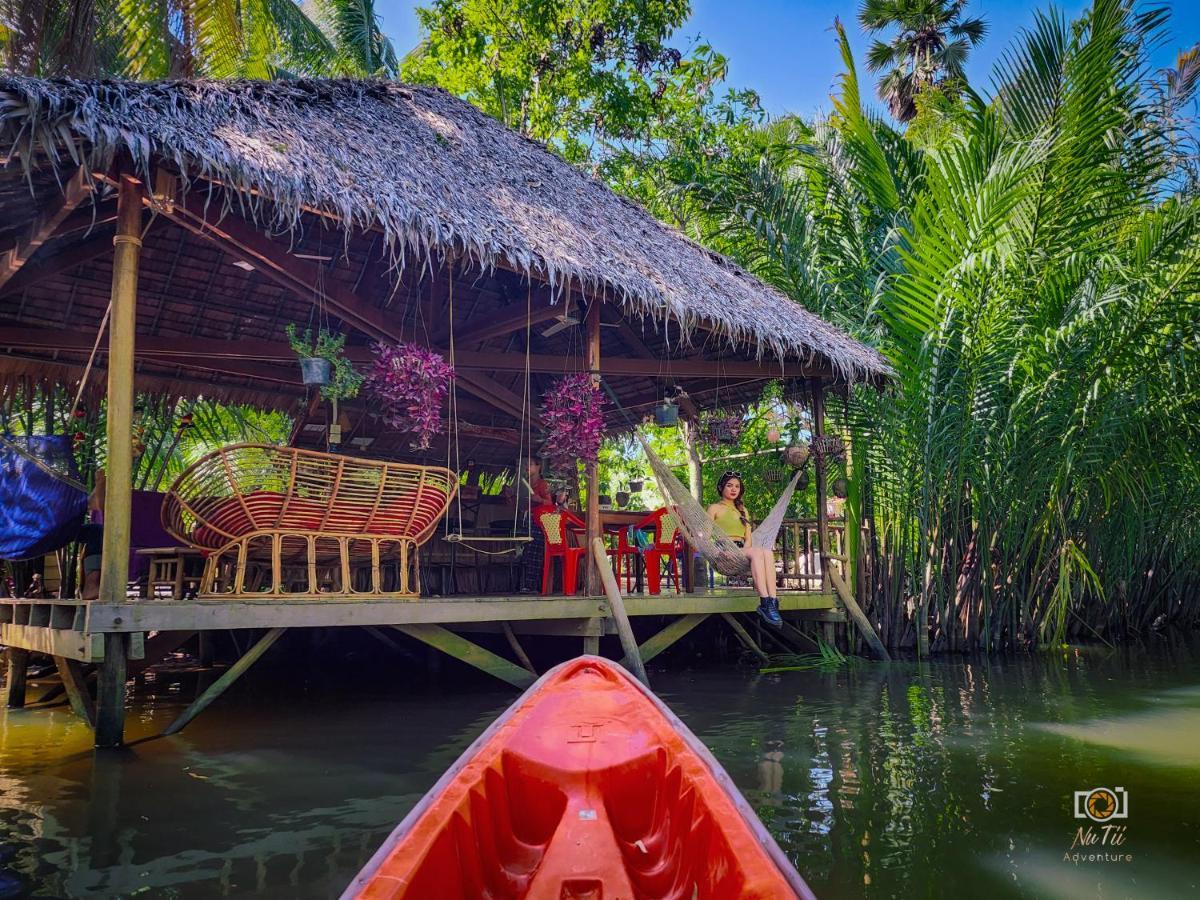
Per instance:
x=555, y=524
x=667, y=545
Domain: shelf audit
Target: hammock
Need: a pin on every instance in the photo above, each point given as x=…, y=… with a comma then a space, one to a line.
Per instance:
x=42, y=502
x=703, y=533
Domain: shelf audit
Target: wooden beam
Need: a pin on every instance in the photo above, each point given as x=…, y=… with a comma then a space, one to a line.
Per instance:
x=509, y=324
x=58, y=264
x=471, y=653
x=485, y=361
x=492, y=391
x=655, y=645
x=75, y=684
x=232, y=674
x=45, y=225
x=744, y=636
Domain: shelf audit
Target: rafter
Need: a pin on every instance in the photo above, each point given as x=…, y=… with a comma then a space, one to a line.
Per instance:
x=45, y=225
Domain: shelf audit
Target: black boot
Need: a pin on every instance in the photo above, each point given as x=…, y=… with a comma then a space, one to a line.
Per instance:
x=768, y=611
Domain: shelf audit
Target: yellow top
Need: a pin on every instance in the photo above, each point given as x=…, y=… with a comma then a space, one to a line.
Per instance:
x=730, y=521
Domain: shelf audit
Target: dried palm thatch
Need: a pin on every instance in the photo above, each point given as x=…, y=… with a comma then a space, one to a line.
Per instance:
x=432, y=173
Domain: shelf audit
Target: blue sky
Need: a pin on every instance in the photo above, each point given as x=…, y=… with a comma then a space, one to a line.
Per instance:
x=785, y=49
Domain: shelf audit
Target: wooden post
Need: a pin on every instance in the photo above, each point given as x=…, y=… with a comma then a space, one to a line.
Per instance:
x=110, y=691
x=18, y=662
x=633, y=657
x=818, y=411
x=118, y=492
x=592, y=577
x=744, y=636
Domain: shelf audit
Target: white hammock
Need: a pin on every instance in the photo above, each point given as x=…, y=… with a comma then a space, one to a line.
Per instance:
x=709, y=540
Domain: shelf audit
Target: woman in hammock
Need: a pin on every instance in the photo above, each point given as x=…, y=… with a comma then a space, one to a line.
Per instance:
x=729, y=514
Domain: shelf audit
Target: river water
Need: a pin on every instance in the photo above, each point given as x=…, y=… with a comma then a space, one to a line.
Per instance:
x=945, y=779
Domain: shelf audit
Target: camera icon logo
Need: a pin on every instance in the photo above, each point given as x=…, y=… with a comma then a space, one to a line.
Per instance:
x=1102, y=804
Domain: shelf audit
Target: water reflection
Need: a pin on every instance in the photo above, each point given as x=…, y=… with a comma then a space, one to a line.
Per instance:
x=936, y=779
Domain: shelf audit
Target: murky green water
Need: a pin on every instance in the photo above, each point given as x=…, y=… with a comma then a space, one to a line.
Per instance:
x=947, y=779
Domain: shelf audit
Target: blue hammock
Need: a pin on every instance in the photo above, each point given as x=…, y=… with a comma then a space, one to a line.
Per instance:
x=42, y=502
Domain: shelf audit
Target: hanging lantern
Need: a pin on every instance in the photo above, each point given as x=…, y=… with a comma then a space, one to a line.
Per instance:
x=185, y=421
x=773, y=476
x=666, y=414
x=840, y=488
x=773, y=435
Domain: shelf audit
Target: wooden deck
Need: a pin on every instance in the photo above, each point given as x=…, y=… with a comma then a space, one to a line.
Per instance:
x=76, y=633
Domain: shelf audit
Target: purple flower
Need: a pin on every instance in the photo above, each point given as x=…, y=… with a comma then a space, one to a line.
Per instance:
x=410, y=384
x=573, y=412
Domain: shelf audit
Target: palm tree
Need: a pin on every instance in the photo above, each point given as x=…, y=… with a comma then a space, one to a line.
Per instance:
x=149, y=39
x=1032, y=270
x=930, y=47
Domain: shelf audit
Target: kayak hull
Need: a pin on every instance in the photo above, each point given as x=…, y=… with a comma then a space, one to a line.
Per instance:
x=587, y=787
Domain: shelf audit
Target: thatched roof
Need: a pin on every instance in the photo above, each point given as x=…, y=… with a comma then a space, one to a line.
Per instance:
x=434, y=175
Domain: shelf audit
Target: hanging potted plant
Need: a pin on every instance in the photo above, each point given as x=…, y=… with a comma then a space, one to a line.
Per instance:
x=721, y=427
x=636, y=484
x=840, y=488
x=572, y=411
x=323, y=364
x=410, y=383
x=623, y=499
x=666, y=414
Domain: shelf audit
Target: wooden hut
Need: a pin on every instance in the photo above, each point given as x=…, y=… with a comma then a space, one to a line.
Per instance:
x=198, y=219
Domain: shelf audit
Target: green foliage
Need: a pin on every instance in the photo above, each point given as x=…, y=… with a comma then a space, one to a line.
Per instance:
x=1029, y=262
x=595, y=79
x=345, y=382
x=147, y=39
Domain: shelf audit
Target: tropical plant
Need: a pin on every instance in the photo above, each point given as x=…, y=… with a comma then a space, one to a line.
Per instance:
x=1029, y=262
x=345, y=382
x=930, y=47
x=148, y=39
x=410, y=383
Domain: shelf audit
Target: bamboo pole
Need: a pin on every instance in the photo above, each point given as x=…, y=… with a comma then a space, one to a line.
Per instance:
x=118, y=491
x=593, y=574
x=818, y=410
x=633, y=655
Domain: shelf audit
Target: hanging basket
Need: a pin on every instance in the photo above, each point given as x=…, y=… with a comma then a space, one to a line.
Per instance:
x=796, y=455
x=636, y=485
x=316, y=371
x=622, y=499
x=840, y=488
x=666, y=414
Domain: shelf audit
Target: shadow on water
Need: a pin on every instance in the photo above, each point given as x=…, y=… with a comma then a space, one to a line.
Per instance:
x=948, y=778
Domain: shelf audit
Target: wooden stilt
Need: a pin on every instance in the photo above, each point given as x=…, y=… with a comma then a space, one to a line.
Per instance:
x=221, y=684
x=591, y=645
x=818, y=412
x=110, y=691
x=858, y=616
x=659, y=642
x=118, y=490
x=382, y=636
x=744, y=636
x=75, y=684
x=472, y=654
x=517, y=649
x=18, y=663
x=51, y=694
x=616, y=604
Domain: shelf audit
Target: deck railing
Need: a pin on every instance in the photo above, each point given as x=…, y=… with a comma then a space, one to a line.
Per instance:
x=799, y=553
